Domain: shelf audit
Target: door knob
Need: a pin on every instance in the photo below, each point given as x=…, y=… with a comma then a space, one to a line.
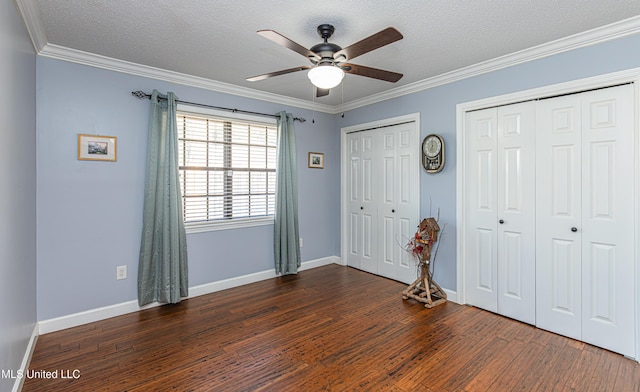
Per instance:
x=574, y=229
x=361, y=207
x=393, y=211
x=501, y=221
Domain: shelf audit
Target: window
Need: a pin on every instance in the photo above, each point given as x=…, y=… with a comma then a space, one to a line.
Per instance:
x=227, y=171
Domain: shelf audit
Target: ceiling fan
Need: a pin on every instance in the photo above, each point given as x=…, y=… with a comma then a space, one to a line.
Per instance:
x=329, y=60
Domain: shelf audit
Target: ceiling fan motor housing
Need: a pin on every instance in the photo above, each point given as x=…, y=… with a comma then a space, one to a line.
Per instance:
x=325, y=49
x=326, y=31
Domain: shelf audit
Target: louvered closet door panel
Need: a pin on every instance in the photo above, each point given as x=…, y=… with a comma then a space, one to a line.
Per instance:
x=559, y=208
x=516, y=210
x=607, y=219
x=481, y=277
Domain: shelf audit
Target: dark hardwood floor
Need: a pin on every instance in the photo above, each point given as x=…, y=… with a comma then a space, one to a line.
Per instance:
x=328, y=329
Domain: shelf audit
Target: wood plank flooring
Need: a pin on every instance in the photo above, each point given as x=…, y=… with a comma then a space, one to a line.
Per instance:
x=328, y=329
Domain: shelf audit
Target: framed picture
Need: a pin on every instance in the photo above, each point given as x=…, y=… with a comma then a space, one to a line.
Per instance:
x=316, y=160
x=96, y=148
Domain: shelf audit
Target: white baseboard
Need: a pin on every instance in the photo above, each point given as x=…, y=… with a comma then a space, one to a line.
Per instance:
x=24, y=366
x=92, y=315
x=451, y=295
x=256, y=277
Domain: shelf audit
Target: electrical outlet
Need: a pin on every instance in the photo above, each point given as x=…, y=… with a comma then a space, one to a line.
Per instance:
x=121, y=272
x=301, y=242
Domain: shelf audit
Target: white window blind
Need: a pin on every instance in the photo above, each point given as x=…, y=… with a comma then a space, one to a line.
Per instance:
x=227, y=168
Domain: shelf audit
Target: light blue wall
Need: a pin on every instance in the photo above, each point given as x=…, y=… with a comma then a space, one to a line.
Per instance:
x=437, y=108
x=90, y=213
x=17, y=190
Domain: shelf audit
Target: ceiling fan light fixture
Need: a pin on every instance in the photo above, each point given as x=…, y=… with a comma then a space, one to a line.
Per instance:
x=325, y=75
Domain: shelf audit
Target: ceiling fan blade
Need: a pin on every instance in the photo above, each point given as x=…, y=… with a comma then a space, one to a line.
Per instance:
x=321, y=92
x=277, y=73
x=369, y=72
x=287, y=43
x=378, y=40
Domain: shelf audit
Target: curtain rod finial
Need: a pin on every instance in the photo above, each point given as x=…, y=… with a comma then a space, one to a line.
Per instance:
x=140, y=94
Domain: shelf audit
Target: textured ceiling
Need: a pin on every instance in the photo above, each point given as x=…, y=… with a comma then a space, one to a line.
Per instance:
x=217, y=40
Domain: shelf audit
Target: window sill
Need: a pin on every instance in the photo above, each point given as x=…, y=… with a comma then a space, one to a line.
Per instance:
x=202, y=227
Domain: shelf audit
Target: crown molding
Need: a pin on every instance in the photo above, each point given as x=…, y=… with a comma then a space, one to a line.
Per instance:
x=99, y=61
x=33, y=22
x=609, y=32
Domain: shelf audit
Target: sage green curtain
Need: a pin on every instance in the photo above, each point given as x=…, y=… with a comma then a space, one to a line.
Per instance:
x=286, y=235
x=162, y=266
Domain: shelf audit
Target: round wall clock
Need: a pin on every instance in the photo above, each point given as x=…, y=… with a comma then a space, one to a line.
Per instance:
x=433, y=153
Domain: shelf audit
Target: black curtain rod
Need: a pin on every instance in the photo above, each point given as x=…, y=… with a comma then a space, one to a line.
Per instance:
x=143, y=95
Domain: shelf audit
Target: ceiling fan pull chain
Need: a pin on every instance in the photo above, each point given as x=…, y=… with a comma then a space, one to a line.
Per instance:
x=313, y=99
x=342, y=104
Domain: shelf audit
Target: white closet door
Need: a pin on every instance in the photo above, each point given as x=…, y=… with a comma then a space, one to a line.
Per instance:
x=481, y=209
x=607, y=219
x=382, y=189
x=368, y=202
x=501, y=210
x=516, y=248
x=585, y=217
x=361, y=202
x=398, y=201
x=559, y=209
x=353, y=191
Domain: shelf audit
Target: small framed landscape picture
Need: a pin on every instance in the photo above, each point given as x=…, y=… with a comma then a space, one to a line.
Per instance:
x=316, y=160
x=96, y=148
